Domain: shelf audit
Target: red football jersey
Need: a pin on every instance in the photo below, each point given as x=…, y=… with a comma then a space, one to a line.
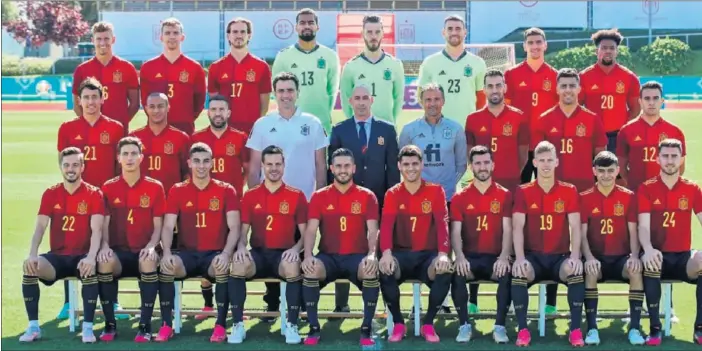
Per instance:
x=229, y=155
x=576, y=138
x=671, y=212
x=546, y=229
x=481, y=216
x=532, y=92
x=638, y=141
x=608, y=94
x=132, y=210
x=273, y=216
x=70, y=214
x=607, y=218
x=183, y=81
x=243, y=82
x=415, y=222
x=202, y=214
x=99, y=145
x=165, y=155
x=503, y=134
x=343, y=218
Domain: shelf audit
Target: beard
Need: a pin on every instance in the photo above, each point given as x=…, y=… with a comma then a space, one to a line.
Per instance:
x=307, y=37
x=372, y=47
x=482, y=176
x=217, y=125
x=341, y=181
x=607, y=62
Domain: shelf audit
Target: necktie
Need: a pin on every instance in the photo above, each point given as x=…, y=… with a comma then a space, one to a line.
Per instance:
x=362, y=136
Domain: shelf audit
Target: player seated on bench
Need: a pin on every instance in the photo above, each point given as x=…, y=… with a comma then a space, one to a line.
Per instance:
x=134, y=207
x=207, y=212
x=75, y=210
x=666, y=205
x=481, y=236
x=274, y=211
x=346, y=215
x=414, y=242
x=610, y=245
x=543, y=212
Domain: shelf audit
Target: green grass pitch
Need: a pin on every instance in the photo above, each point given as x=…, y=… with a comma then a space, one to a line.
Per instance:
x=29, y=166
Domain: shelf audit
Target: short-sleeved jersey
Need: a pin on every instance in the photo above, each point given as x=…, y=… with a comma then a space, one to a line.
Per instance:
x=117, y=77
x=533, y=92
x=229, y=155
x=318, y=72
x=607, y=94
x=576, y=138
x=273, y=216
x=671, y=212
x=415, y=222
x=243, y=82
x=607, y=218
x=503, y=134
x=165, y=155
x=343, y=218
x=546, y=227
x=183, y=81
x=638, y=142
x=132, y=210
x=386, y=80
x=481, y=216
x=98, y=143
x=70, y=215
x=461, y=79
x=202, y=214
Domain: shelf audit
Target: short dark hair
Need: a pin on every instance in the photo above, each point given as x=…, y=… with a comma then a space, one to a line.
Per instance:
x=605, y=159
x=607, y=34
x=455, y=18
x=340, y=152
x=307, y=11
x=651, y=85
x=219, y=97
x=71, y=150
x=372, y=19
x=670, y=142
x=200, y=147
x=534, y=31
x=431, y=86
x=493, y=73
x=130, y=140
x=249, y=24
x=568, y=73
x=409, y=151
x=283, y=76
x=90, y=83
x=272, y=150
x=477, y=151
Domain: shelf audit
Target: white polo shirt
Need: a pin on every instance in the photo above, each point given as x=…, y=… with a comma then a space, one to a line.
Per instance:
x=299, y=137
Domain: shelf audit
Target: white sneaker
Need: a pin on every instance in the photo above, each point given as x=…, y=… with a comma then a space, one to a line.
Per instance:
x=465, y=332
x=31, y=334
x=292, y=336
x=88, y=335
x=238, y=334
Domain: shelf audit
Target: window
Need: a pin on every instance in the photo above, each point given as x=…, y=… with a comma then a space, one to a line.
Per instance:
x=307, y=4
x=331, y=5
x=381, y=5
x=357, y=5
x=423, y=4
x=207, y=4
x=258, y=5
x=234, y=5
x=406, y=5
x=282, y=5
x=454, y=4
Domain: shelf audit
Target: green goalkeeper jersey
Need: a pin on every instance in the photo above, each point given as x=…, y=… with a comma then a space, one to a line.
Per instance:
x=386, y=80
x=318, y=73
x=461, y=79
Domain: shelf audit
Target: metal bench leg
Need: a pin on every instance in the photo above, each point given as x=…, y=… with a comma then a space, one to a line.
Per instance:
x=177, y=306
x=542, y=310
x=283, y=308
x=72, y=305
x=417, y=296
x=667, y=298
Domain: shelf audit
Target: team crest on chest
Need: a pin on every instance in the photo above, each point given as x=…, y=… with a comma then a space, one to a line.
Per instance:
x=683, y=203
x=447, y=133
x=82, y=208
x=305, y=130
x=618, y=209
x=356, y=207
x=117, y=77
x=214, y=204
x=580, y=130
x=231, y=149
x=507, y=129
x=144, y=201
x=183, y=77
x=662, y=137
x=251, y=76
x=105, y=137
x=546, y=86
x=321, y=63
x=559, y=206
x=284, y=207
x=387, y=74
x=168, y=148
x=426, y=206
x=495, y=206
x=468, y=71
x=620, y=87
x=381, y=141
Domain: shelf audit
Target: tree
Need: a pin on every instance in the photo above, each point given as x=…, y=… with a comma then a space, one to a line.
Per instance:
x=48, y=21
x=9, y=12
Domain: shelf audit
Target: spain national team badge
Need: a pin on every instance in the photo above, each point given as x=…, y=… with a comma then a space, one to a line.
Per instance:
x=387, y=74
x=620, y=87
x=468, y=71
x=82, y=208
x=507, y=129
x=356, y=207
x=683, y=203
x=231, y=149
x=495, y=206
x=447, y=133
x=321, y=63
x=305, y=130
x=618, y=209
x=214, y=204
x=183, y=77
x=117, y=77
x=168, y=148
x=284, y=207
x=662, y=137
x=381, y=141
x=559, y=206
x=426, y=206
x=105, y=137
x=144, y=201
x=251, y=76
x=546, y=86
x=580, y=130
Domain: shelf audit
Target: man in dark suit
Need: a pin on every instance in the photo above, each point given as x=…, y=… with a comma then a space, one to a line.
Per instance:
x=374, y=145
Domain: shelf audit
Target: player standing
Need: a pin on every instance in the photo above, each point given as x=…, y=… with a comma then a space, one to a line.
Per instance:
x=119, y=78
x=75, y=211
x=610, y=90
x=207, y=213
x=481, y=236
x=576, y=131
x=347, y=217
x=545, y=249
x=241, y=76
x=666, y=205
x=181, y=78
x=134, y=205
x=384, y=74
x=315, y=65
x=458, y=71
x=414, y=242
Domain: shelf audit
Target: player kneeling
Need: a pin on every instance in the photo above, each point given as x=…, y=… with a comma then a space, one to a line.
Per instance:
x=347, y=218
x=274, y=211
x=609, y=244
x=481, y=236
x=75, y=210
x=207, y=212
x=414, y=242
x=543, y=212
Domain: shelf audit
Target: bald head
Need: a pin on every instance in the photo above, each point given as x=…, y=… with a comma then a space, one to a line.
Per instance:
x=361, y=101
x=157, y=108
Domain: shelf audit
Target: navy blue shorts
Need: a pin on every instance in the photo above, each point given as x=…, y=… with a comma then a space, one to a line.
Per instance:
x=546, y=266
x=481, y=265
x=130, y=263
x=612, y=141
x=197, y=263
x=341, y=267
x=65, y=266
x=267, y=262
x=675, y=266
x=612, y=267
x=414, y=265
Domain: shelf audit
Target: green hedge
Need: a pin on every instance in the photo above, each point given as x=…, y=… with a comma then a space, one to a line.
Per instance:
x=29, y=66
x=584, y=56
x=666, y=55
